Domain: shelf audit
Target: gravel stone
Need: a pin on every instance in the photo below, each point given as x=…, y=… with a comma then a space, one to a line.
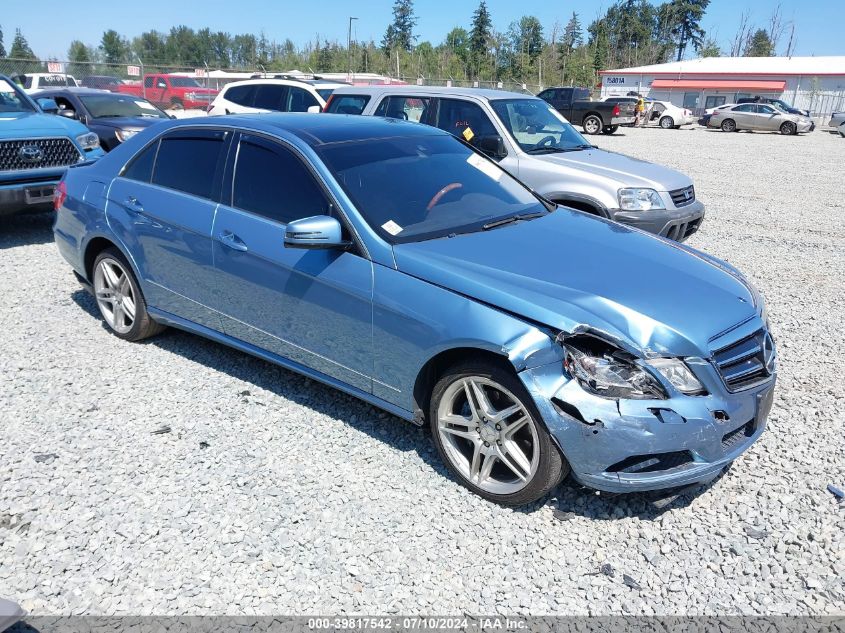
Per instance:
x=273, y=494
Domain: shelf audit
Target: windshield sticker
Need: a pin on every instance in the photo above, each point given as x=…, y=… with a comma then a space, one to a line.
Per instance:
x=485, y=166
x=391, y=227
x=468, y=134
x=145, y=105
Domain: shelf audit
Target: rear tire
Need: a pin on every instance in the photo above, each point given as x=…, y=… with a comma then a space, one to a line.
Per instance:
x=592, y=124
x=788, y=128
x=667, y=123
x=120, y=299
x=610, y=129
x=490, y=436
x=176, y=104
x=728, y=125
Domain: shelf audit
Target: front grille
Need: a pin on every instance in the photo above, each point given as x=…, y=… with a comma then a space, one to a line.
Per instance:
x=680, y=232
x=747, y=362
x=651, y=463
x=37, y=153
x=683, y=197
x=737, y=436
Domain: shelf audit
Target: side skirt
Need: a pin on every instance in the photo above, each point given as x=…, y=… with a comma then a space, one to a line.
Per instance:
x=172, y=320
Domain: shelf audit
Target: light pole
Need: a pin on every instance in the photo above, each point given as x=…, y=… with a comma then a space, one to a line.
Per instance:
x=349, y=46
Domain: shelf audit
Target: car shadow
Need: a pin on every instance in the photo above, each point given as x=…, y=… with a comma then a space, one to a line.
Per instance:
x=569, y=499
x=26, y=228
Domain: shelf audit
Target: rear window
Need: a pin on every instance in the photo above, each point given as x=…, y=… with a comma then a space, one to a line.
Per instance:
x=55, y=81
x=348, y=104
x=141, y=167
x=241, y=95
x=189, y=161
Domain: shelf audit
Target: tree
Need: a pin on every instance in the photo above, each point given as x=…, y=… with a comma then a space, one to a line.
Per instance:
x=114, y=47
x=151, y=47
x=20, y=47
x=710, y=48
x=600, y=50
x=2, y=49
x=526, y=40
x=400, y=32
x=760, y=45
x=78, y=53
x=573, y=36
x=686, y=18
x=480, y=36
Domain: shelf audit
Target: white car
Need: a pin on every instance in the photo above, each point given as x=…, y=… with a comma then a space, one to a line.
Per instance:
x=30, y=82
x=668, y=115
x=272, y=95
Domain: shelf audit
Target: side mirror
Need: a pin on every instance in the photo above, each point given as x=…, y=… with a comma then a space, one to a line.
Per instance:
x=492, y=145
x=319, y=231
x=68, y=113
x=48, y=105
x=314, y=109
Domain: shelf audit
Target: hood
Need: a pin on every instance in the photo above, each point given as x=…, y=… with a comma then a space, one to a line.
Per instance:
x=16, y=124
x=127, y=122
x=569, y=270
x=625, y=170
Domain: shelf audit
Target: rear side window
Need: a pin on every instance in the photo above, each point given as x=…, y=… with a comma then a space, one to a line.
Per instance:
x=141, y=167
x=348, y=104
x=404, y=107
x=241, y=95
x=270, y=97
x=148, y=82
x=189, y=161
x=300, y=100
x=272, y=182
x=464, y=119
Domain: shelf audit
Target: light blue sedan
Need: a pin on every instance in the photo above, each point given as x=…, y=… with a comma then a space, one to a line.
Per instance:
x=391, y=261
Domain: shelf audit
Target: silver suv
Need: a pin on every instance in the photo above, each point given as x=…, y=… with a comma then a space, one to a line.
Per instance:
x=528, y=138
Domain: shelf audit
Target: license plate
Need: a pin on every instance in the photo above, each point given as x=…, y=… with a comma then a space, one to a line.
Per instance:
x=622, y=120
x=38, y=195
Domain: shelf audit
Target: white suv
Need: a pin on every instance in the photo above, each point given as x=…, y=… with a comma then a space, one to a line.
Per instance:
x=31, y=82
x=272, y=95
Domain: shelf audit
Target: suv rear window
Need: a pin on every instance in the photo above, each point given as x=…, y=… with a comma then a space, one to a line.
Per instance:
x=189, y=160
x=348, y=104
x=241, y=95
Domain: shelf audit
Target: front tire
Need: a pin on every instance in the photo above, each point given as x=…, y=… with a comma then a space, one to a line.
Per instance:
x=592, y=124
x=728, y=125
x=489, y=434
x=788, y=128
x=667, y=123
x=119, y=298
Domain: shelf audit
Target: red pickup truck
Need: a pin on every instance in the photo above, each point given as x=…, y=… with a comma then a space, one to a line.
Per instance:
x=170, y=91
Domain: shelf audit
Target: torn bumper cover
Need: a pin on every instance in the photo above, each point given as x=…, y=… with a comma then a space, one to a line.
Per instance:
x=627, y=445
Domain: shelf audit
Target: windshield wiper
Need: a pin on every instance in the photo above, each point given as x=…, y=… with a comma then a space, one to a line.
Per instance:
x=545, y=150
x=514, y=218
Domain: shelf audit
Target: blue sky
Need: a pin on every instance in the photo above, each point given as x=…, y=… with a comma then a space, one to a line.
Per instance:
x=50, y=25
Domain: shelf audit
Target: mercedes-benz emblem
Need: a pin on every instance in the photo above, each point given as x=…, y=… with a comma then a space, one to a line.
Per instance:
x=769, y=352
x=30, y=154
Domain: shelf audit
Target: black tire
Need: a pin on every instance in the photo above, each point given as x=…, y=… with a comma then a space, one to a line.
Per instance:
x=667, y=122
x=592, y=124
x=143, y=325
x=728, y=125
x=610, y=129
x=788, y=128
x=551, y=468
x=176, y=104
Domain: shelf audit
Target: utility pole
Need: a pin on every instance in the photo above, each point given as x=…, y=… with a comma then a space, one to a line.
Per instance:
x=349, y=46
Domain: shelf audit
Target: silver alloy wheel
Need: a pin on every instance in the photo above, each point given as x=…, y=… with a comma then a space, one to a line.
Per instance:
x=667, y=122
x=488, y=435
x=592, y=125
x=114, y=294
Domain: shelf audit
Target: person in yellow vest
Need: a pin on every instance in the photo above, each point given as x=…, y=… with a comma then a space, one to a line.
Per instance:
x=639, y=115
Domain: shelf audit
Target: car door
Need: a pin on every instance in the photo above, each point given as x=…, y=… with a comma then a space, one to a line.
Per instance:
x=299, y=100
x=269, y=98
x=162, y=207
x=311, y=306
x=744, y=115
x=768, y=118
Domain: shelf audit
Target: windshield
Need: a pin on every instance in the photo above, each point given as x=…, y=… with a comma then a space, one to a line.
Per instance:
x=184, y=82
x=11, y=100
x=416, y=188
x=537, y=127
x=106, y=106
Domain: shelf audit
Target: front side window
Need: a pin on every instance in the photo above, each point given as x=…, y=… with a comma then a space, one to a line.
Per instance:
x=745, y=107
x=403, y=107
x=189, y=161
x=464, y=119
x=538, y=128
x=11, y=100
x=764, y=109
x=300, y=100
x=271, y=181
x=347, y=104
x=423, y=187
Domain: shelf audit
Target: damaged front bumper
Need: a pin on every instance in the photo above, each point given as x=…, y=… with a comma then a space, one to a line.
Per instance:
x=637, y=445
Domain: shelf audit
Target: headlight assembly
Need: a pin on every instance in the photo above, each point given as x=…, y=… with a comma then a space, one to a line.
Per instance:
x=610, y=373
x=122, y=135
x=678, y=374
x=640, y=200
x=87, y=141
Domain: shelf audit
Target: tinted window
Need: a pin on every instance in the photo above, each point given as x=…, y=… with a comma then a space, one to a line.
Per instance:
x=464, y=119
x=546, y=94
x=148, y=82
x=242, y=95
x=272, y=182
x=348, y=104
x=269, y=97
x=300, y=100
x=141, y=167
x=188, y=161
x=407, y=108
x=745, y=107
x=764, y=109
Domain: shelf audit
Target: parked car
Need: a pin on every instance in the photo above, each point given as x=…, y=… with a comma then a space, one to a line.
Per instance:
x=271, y=95
x=36, y=148
x=170, y=91
x=836, y=121
x=759, y=116
x=31, y=82
x=113, y=117
x=532, y=141
x=101, y=82
x=594, y=116
x=705, y=119
x=779, y=103
x=321, y=243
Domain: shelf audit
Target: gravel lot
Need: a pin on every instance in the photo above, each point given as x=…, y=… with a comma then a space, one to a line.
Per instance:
x=271, y=494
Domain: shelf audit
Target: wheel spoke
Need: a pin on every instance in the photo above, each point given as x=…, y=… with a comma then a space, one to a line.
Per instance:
x=106, y=294
x=475, y=463
x=129, y=307
x=119, y=320
x=504, y=414
x=124, y=287
x=513, y=427
x=483, y=406
x=487, y=468
x=515, y=459
x=109, y=276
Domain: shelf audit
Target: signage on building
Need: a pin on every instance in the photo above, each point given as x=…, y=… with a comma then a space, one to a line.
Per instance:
x=54, y=67
x=133, y=71
x=614, y=81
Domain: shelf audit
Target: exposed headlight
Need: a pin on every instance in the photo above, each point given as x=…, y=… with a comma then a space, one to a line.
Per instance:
x=191, y=96
x=678, y=374
x=89, y=140
x=640, y=200
x=610, y=373
x=122, y=135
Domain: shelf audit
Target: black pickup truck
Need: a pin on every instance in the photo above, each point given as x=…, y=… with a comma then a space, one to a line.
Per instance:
x=593, y=116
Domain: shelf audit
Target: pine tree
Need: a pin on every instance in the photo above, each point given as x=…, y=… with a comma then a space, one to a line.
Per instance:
x=480, y=35
x=20, y=47
x=686, y=18
x=78, y=52
x=600, y=49
x=2, y=49
x=114, y=47
x=760, y=45
x=572, y=34
x=400, y=32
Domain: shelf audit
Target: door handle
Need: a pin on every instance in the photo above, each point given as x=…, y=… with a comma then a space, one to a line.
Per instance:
x=232, y=241
x=134, y=205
